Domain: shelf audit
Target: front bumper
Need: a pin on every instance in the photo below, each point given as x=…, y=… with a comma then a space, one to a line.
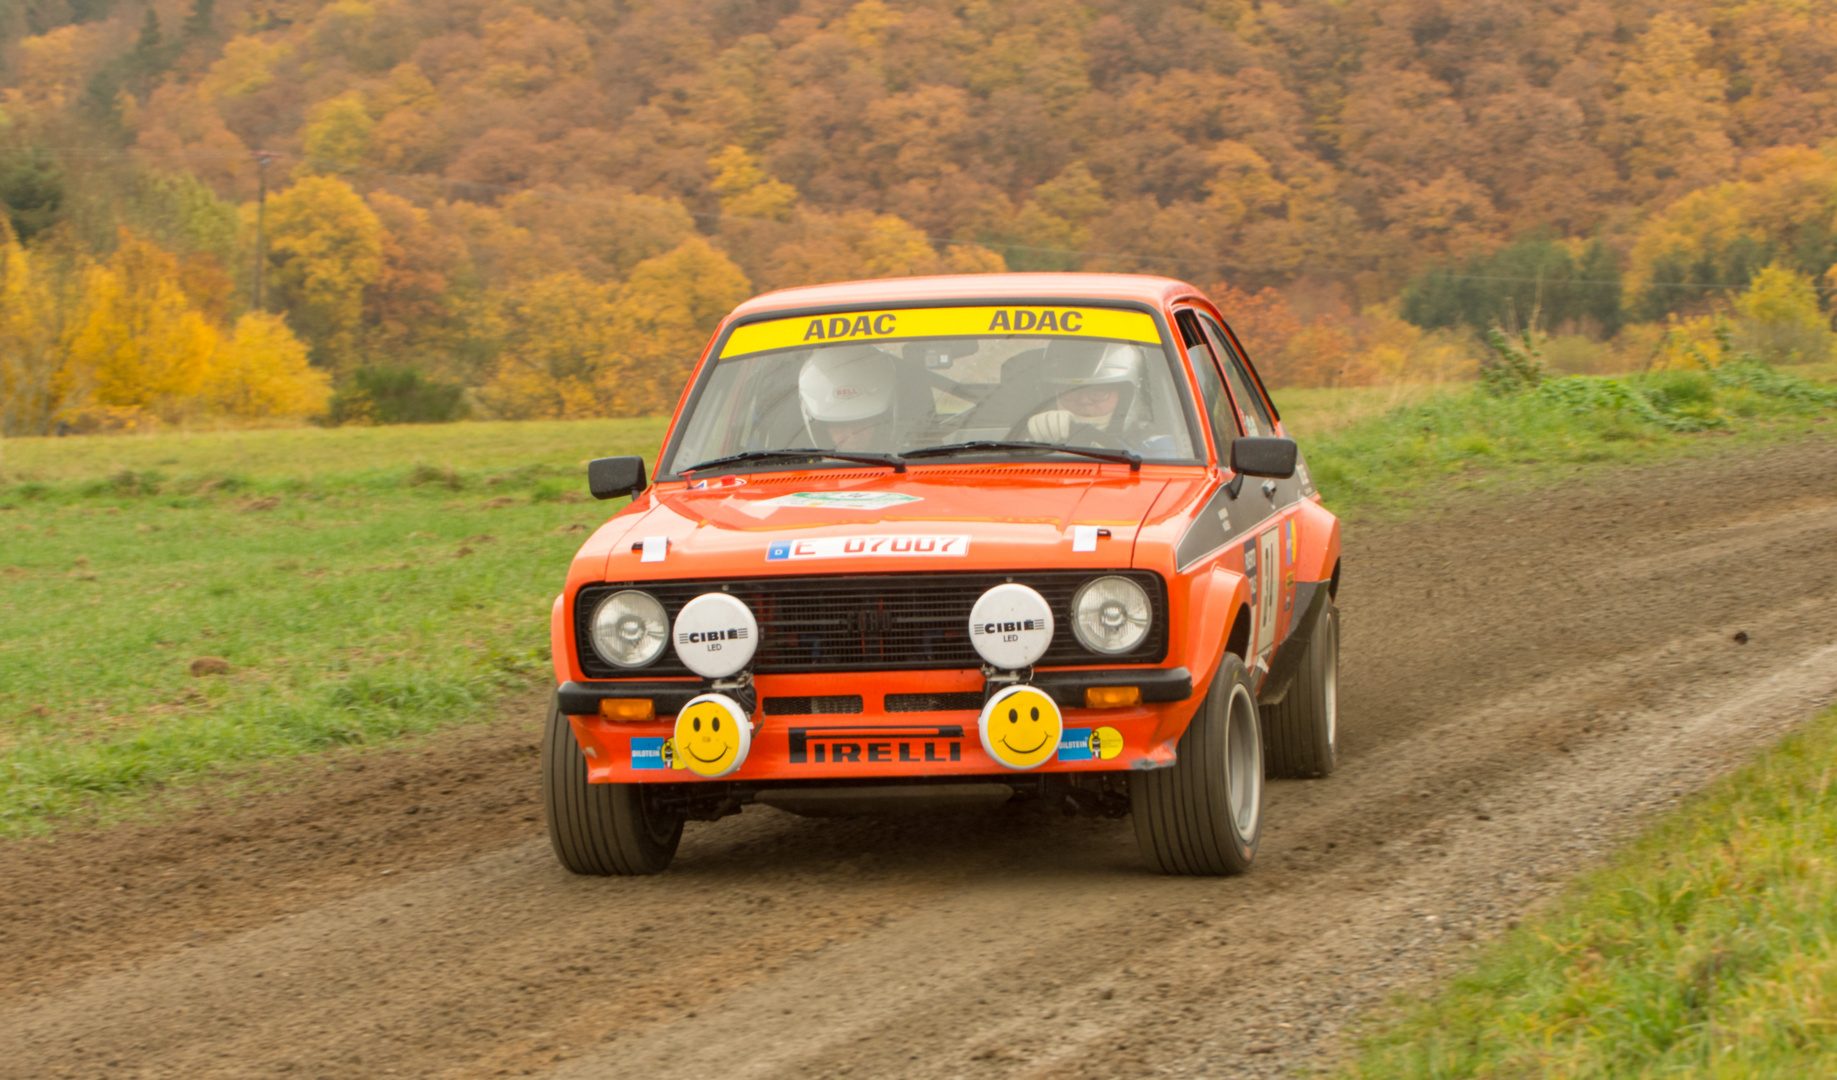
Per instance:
x=857, y=735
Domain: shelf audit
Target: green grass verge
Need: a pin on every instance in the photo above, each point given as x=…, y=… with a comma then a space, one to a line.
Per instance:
x=1464, y=437
x=361, y=585
x=1708, y=949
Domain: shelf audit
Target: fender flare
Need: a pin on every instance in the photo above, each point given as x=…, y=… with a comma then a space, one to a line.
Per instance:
x=558, y=638
x=1217, y=599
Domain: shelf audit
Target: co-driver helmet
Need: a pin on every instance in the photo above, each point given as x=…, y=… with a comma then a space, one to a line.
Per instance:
x=847, y=385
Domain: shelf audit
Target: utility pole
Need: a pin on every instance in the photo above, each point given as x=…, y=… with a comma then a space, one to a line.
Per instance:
x=262, y=158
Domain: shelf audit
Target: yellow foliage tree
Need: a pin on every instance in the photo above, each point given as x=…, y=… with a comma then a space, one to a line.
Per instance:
x=1054, y=225
x=139, y=342
x=1779, y=297
x=1714, y=232
x=747, y=191
x=36, y=380
x=558, y=340
x=262, y=371
x=326, y=246
x=665, y=313
x=51, y=66
x=337, y=138
x=1699, y=224
x=406, y=137
x=973, y=259
x=852, y=246
x=1780, y=319
x=246, y=66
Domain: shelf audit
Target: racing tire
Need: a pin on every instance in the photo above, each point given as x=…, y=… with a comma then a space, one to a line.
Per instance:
x=1301, y=732
x=602, y=829
x=1204, y=815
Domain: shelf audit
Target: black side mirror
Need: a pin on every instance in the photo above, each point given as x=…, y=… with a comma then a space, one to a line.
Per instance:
x=611, y=477
x=1273, y=458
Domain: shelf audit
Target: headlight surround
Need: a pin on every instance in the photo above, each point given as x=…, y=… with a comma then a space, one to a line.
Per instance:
x=1111, y=615
x=630, y=628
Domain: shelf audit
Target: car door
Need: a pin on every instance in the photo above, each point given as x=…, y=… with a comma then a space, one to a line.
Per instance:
x=1260, y=512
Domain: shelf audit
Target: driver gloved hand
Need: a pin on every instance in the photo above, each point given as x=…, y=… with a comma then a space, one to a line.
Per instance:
x=1054, y=426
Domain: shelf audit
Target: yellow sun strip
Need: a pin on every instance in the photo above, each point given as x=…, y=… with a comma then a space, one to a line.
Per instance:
x=806, y=331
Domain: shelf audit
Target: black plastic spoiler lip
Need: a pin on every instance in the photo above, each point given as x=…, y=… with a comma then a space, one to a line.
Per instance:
x=583, y=698
x=1159, y=686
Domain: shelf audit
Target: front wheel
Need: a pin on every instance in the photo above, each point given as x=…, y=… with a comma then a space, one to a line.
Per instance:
x=599, y=828
x=1301, y=731
x=1205, y=814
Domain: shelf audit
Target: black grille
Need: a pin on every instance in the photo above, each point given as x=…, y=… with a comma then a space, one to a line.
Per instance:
x=872, y=622
x=970, y=699
x=824, y=705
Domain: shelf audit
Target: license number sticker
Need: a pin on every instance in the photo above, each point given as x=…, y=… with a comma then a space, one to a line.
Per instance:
x=867, y=547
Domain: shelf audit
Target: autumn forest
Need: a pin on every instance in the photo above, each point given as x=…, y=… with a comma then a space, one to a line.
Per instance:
x=372, y=211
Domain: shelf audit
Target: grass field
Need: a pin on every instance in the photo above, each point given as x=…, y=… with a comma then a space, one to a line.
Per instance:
x=1708, y=949
x=1365, y=458
x=360, y=584
x=367, y=583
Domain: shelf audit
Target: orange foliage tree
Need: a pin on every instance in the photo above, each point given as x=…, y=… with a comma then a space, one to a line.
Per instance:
x=462, y=172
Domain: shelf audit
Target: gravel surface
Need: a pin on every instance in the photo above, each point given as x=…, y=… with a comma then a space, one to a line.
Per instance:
x=1526, y=680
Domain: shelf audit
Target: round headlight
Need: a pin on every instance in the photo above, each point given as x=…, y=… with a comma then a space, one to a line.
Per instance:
x=630, y=628
x=1110, y=615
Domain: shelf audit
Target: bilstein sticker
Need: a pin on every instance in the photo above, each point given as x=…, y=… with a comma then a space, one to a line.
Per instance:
x=654, y=754
x=806, y=331
x=843, y=500
x=866, y=547
x=1090, y=744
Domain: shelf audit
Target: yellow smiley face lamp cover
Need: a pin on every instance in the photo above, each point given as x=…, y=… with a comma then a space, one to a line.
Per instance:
x=713, y=736
x=1020, y=728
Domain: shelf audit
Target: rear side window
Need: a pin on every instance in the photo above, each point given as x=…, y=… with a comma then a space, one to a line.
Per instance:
x=1212, y=395
x=1256, y=414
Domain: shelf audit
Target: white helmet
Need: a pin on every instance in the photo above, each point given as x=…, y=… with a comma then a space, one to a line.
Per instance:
x=1071, y=363
x=847, y=385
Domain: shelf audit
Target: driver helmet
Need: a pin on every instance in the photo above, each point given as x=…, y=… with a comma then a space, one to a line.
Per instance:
x=1072, y=364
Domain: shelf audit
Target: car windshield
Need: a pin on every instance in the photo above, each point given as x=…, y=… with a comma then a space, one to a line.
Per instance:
x=895, y=382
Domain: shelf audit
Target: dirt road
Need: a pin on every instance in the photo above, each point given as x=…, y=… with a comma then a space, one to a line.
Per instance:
x=1524, y=679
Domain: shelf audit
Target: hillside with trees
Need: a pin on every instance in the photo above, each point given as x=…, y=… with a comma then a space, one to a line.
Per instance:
x=539, y=209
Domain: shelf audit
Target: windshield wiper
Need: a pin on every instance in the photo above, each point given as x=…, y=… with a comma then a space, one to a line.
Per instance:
x=805, y=452
x=1121, y=457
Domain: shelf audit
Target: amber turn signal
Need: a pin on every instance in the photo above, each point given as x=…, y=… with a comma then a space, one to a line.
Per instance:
x=1111, y=697
x=628, y=708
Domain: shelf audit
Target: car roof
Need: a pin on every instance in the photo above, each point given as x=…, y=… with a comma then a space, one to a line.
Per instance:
x=1140, y=288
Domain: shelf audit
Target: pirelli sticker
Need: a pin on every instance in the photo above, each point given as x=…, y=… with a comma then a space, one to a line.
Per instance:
x=807, y=331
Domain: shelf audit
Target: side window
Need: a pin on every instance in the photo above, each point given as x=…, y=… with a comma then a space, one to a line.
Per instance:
x=1211, y=389
x=1243, y=388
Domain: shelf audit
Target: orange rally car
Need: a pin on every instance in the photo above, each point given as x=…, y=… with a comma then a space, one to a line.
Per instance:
x=939, y=542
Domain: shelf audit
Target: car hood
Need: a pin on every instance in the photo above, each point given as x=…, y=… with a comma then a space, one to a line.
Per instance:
x=927, y=520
